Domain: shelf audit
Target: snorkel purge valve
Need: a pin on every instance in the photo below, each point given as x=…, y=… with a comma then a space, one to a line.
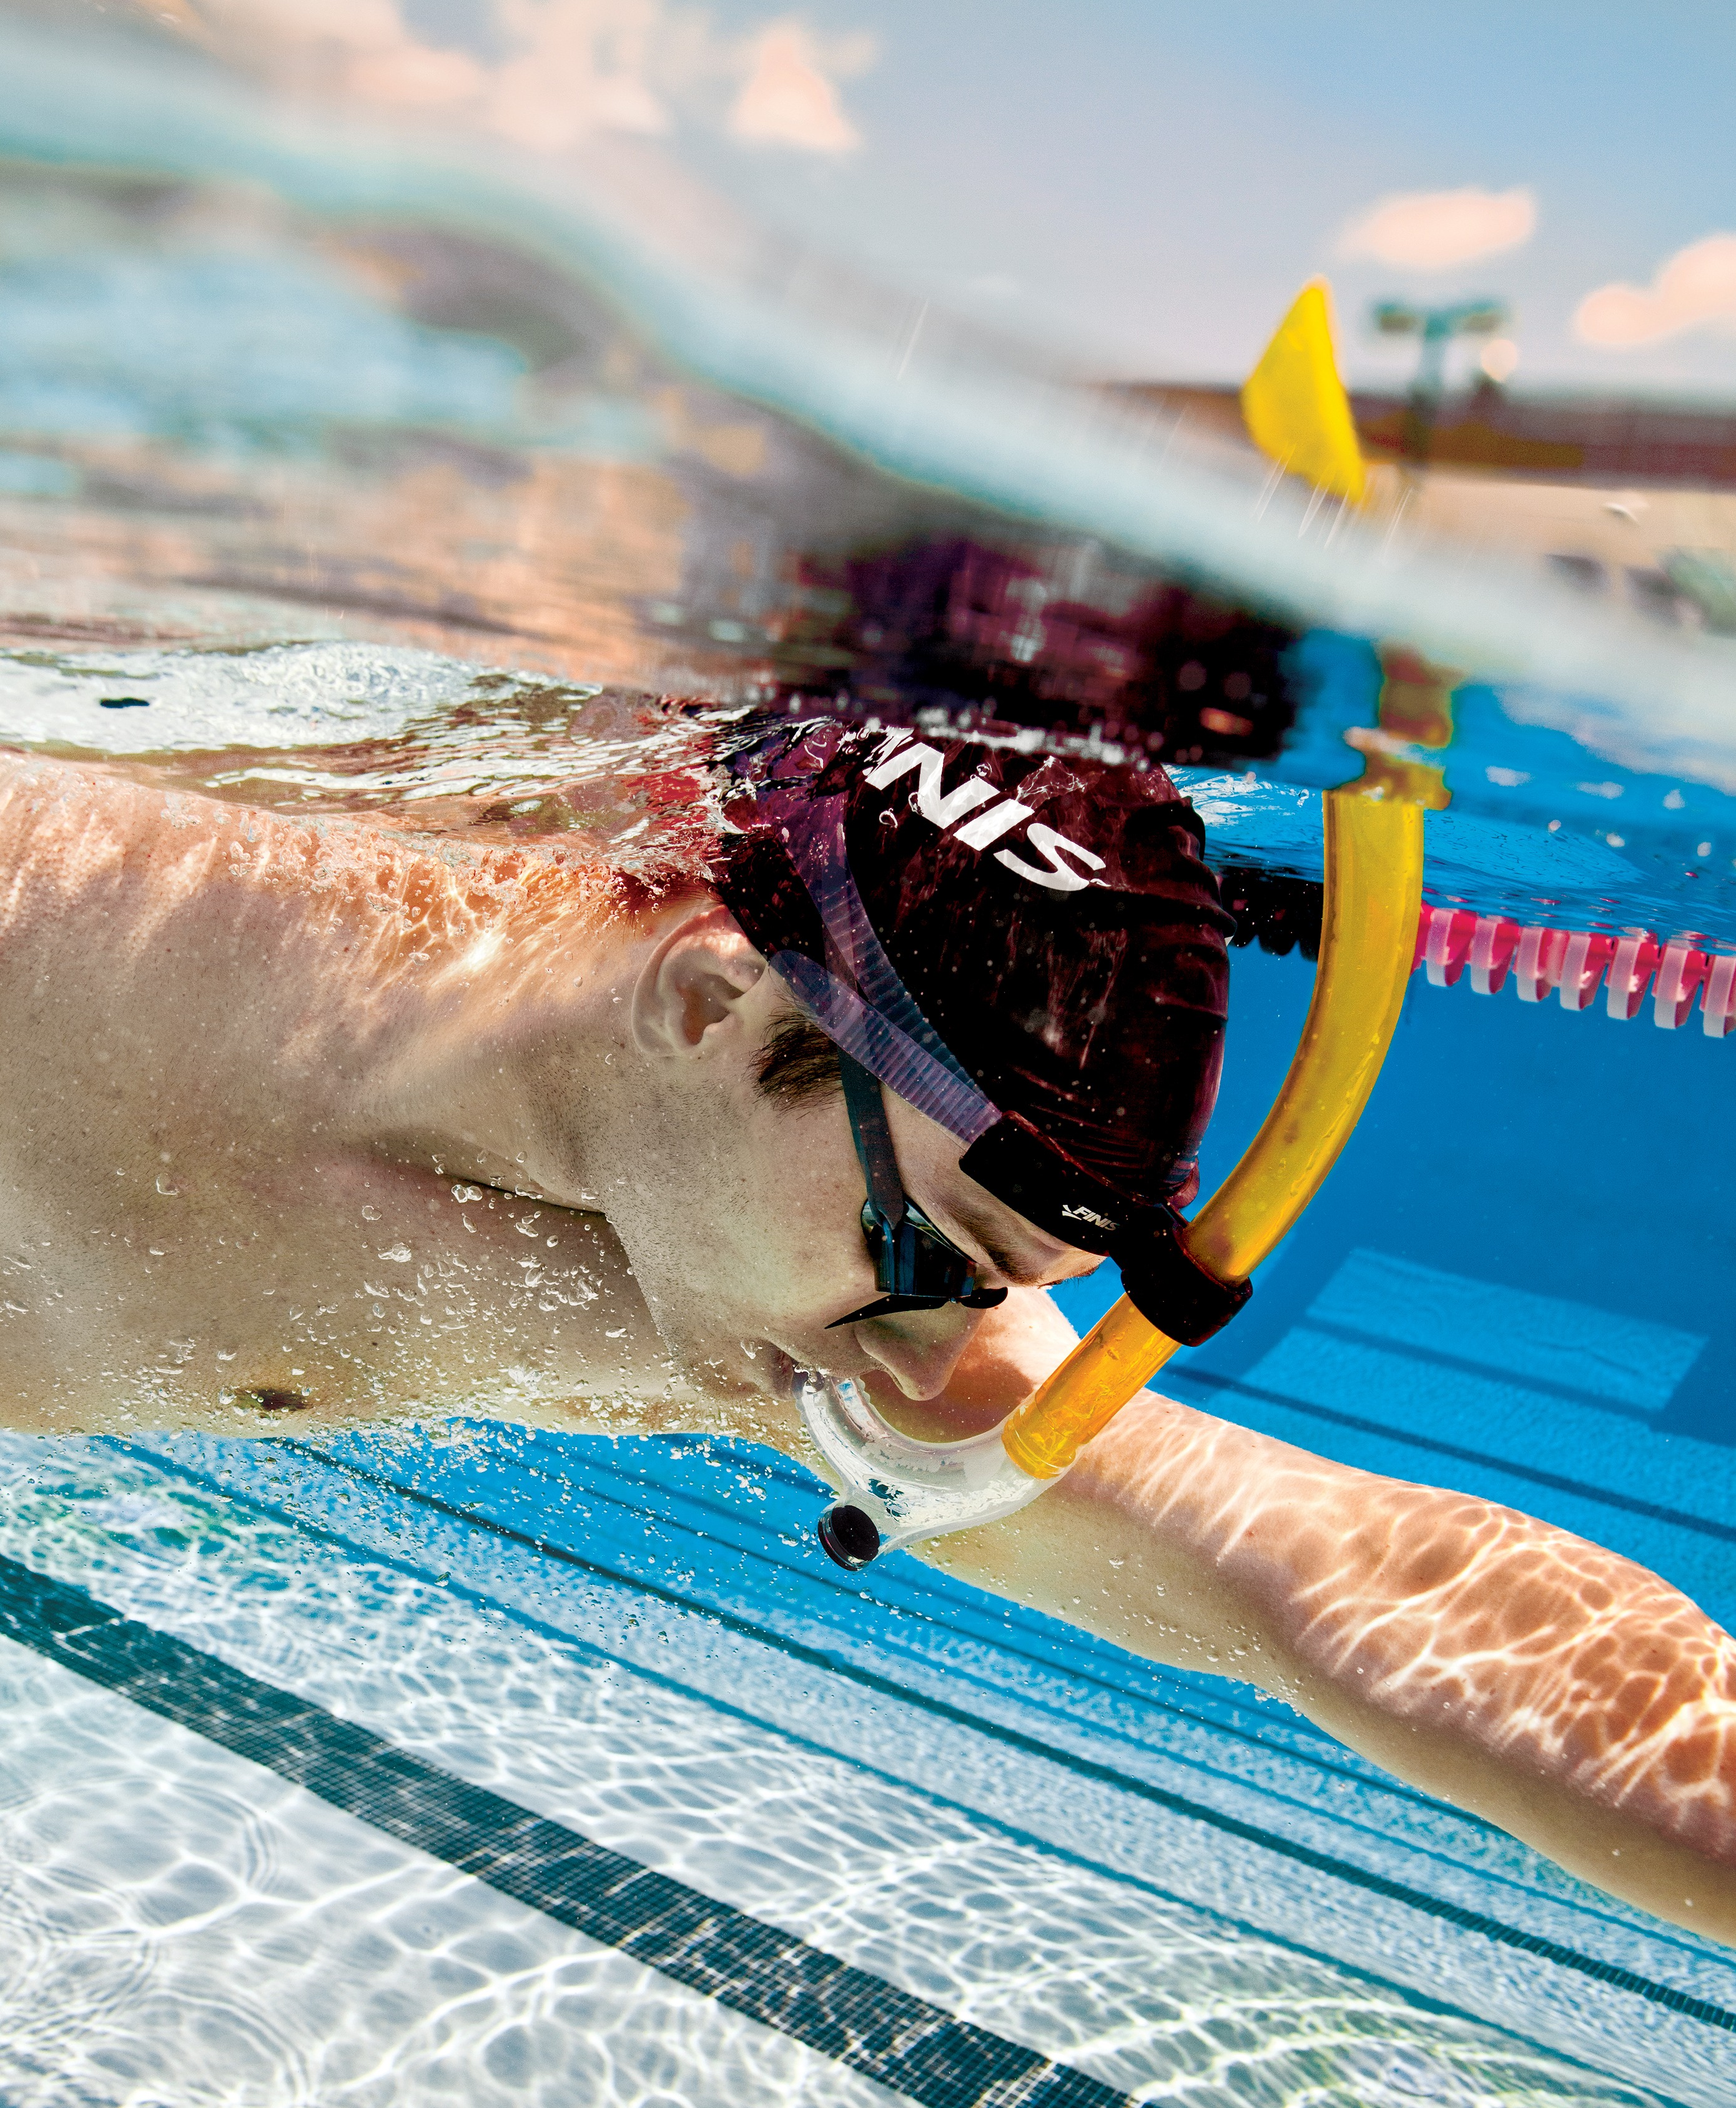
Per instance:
x=897, y=1491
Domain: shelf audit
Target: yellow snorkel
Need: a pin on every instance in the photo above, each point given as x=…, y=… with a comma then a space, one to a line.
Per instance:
x=1374, y=896
x=897, y=1490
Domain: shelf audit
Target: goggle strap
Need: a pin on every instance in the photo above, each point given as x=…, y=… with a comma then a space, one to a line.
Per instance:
x=873, y=1138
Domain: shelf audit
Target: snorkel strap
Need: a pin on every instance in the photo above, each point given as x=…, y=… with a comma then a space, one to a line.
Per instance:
x=857, y=997
x=885, y=1050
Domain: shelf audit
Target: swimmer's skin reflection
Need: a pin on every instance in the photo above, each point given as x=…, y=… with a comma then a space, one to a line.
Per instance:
x=331, y=1125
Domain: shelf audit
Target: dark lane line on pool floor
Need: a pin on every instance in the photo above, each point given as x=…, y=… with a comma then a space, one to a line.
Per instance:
x=893, y=2037
x=1612, y=1974
x=1032, y=1840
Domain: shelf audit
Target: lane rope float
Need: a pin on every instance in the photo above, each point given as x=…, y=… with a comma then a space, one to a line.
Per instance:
x=1458, y=943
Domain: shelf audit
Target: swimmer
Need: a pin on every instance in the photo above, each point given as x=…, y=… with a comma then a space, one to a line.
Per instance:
x=308, y=1124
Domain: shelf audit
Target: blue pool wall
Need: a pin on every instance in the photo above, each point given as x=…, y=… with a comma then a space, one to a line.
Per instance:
x=1546, y=1197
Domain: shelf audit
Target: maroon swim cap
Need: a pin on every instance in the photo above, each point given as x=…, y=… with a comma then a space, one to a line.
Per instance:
x=1029, y=949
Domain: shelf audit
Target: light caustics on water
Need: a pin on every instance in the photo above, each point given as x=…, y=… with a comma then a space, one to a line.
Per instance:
x=899, y=1491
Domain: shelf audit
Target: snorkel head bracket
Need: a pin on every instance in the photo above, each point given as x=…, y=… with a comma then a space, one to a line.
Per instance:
x=1161, y=1278
x=1172, y=1290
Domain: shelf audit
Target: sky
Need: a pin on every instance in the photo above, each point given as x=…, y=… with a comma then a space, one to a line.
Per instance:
x=1147, y=183
x=1152, y=182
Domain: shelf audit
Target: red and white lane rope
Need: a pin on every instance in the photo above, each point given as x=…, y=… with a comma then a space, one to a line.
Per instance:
x=1456, y=943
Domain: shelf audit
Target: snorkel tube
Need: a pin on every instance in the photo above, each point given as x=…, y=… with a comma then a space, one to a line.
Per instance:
x=897, y=1491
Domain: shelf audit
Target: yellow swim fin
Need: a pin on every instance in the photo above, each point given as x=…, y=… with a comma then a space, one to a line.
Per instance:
x=1294, y=404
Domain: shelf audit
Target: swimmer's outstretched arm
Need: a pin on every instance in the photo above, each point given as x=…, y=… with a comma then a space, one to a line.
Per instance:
x=1556, y=1689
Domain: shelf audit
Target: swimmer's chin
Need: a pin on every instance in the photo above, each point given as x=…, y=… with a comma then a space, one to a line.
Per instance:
x=775, y=1371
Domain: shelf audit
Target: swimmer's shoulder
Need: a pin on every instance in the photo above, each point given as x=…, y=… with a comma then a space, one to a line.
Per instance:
x=68, y=828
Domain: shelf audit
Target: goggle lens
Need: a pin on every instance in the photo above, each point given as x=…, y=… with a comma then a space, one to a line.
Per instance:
x=916, y=1267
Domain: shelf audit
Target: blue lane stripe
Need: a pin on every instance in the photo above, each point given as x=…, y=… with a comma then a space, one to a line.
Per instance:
x=1677, y=1518
x=1588, y=1352
x=893, y=2037
x=1466, y=1920
x=1485, y=1372
x=928, y=1593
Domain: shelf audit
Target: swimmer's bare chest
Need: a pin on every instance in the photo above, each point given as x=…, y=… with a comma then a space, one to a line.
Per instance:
x=203, y=1287
x=194, y=1228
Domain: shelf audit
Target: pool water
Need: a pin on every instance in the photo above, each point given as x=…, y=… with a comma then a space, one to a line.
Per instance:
x=1154, y=1880
x=451, y=1762
x=1141, y=1876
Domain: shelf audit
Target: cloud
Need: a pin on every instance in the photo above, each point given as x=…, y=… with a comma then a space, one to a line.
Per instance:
x=1435, y=229
x=577, y=66
x=1695, y=286
x=787, y=100
x=549, y=74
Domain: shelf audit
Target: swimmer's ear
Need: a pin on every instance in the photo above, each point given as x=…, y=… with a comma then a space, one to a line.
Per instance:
x=701, y=990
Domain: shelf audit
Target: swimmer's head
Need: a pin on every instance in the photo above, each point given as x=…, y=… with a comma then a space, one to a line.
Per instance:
x=1030, y=951
x=1029, y=956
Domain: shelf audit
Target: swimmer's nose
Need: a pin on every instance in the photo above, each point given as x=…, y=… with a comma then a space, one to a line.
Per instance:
x=920, y=1351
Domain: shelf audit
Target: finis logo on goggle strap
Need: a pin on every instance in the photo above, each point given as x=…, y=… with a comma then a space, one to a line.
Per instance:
x=945, y=809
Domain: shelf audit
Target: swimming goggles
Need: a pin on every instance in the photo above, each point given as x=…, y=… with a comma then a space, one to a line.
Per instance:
x=915, y=1266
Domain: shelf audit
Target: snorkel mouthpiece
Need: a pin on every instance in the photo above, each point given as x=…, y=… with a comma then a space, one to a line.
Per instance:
x=896, y=1490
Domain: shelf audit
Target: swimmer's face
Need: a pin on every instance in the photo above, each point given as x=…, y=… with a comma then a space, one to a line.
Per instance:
x=743, y=1219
